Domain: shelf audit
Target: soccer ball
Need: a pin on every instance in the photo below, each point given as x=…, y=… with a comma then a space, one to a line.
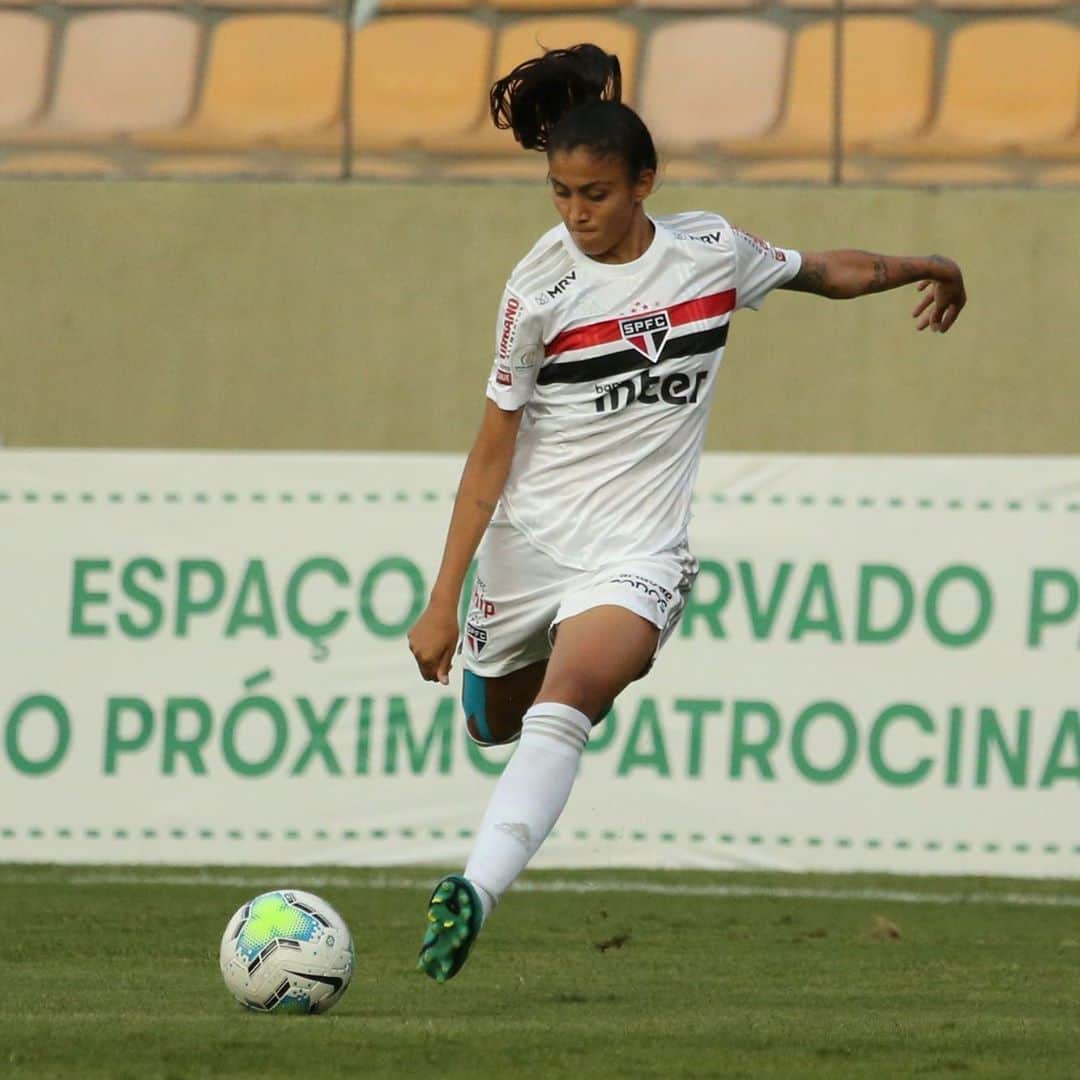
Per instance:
x=287, y=952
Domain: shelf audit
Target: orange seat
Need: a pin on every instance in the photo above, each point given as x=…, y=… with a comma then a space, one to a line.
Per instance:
x=887, y=79
x=996, y=6
x=797, y=171
x=56, y=163
x=691, y=99
x=123, y=72
x=418, y=76
x=688, y=170
x=555, y=5
x=852, y=7
x=268, y=78
x=24, y=65
x=425, y=5
x=117, y=3
x=1008, y=83
x=520, y=167
x=205, y=166
x=1066, y=149
x=701, y=5
x=414, y=76
x=527, y=38
x=948, y=174
x=1061, y=175
x=333, y=7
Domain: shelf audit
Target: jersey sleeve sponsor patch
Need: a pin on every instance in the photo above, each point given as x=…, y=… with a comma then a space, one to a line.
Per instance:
x=760, y=267
x=518, y=350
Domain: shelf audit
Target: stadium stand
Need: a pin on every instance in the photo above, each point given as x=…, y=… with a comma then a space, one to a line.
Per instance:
x=887, y=77
x=704, y=6
x=268, y=77
x=941, y=173
x=417, y=76
x=1067, y=149
x=425, y=5
x=516, y=42
x=271, y=5
x=997, y=7
x=122, y=72
x=826, y=7
x=934, y=91
x=1009, y=83
x=691, y=102
x=24, y=61
x=798, y=170
x=59, y=163
x=554, y=5
x=1064, y=175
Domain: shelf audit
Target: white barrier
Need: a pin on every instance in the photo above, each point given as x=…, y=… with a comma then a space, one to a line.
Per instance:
x=202, y=660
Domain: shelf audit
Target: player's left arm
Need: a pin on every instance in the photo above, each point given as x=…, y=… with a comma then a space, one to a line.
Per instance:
x=844, y=275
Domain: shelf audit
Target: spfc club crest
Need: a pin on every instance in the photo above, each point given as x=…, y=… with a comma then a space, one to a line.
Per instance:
x=647, y=333
x=477, y=637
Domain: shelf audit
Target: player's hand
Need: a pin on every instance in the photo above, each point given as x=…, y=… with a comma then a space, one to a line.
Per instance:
x=432, y=641
x=943, y=300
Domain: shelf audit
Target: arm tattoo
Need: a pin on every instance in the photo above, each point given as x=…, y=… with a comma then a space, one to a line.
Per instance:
x=810, y=278
x=879, y=273
x=880, y=280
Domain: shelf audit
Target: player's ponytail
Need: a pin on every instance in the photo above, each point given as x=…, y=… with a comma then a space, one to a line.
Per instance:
x=569, y=98
x=535, y=96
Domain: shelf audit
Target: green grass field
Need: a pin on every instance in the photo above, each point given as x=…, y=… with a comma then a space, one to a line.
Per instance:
x=112, y=972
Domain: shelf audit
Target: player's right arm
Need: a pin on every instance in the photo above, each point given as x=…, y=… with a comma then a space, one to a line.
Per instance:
x=434, y=636
x=847, y=274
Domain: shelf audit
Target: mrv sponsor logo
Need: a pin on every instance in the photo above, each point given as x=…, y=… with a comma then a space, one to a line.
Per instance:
x=556, y=290
x=678, y=388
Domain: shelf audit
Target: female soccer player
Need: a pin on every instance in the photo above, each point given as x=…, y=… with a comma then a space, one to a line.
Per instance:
x=607, y=345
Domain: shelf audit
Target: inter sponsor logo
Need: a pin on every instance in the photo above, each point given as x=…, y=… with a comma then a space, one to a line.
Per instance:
x=678, y=388
x=647, y=333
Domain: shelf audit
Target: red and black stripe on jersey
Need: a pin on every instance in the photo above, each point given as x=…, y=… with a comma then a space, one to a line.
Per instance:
x=610, y=332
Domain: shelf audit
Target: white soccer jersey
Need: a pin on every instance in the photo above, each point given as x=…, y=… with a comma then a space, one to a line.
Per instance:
x=615, y=365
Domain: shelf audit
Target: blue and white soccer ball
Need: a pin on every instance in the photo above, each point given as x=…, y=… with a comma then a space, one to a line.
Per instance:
x=287, y=951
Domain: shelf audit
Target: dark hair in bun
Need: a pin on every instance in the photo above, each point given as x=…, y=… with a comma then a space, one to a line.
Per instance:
x=569, y=98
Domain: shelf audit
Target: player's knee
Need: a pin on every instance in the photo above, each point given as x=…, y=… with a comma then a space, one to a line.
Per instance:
x=485, y=736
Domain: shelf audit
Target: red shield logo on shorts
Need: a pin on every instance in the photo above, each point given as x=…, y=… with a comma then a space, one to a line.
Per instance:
x=647, y=333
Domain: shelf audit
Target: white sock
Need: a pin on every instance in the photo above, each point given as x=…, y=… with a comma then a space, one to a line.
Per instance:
x=528, y=797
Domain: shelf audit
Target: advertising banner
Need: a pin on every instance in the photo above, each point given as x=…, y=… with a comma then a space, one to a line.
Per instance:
x=203, y=660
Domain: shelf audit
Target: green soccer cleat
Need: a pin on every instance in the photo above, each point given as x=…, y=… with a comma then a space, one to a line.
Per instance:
x=454, y=919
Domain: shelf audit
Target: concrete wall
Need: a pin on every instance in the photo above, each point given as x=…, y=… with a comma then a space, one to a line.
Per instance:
x=361, y=317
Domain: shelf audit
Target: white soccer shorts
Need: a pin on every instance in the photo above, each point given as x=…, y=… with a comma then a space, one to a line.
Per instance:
x=520, y=595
